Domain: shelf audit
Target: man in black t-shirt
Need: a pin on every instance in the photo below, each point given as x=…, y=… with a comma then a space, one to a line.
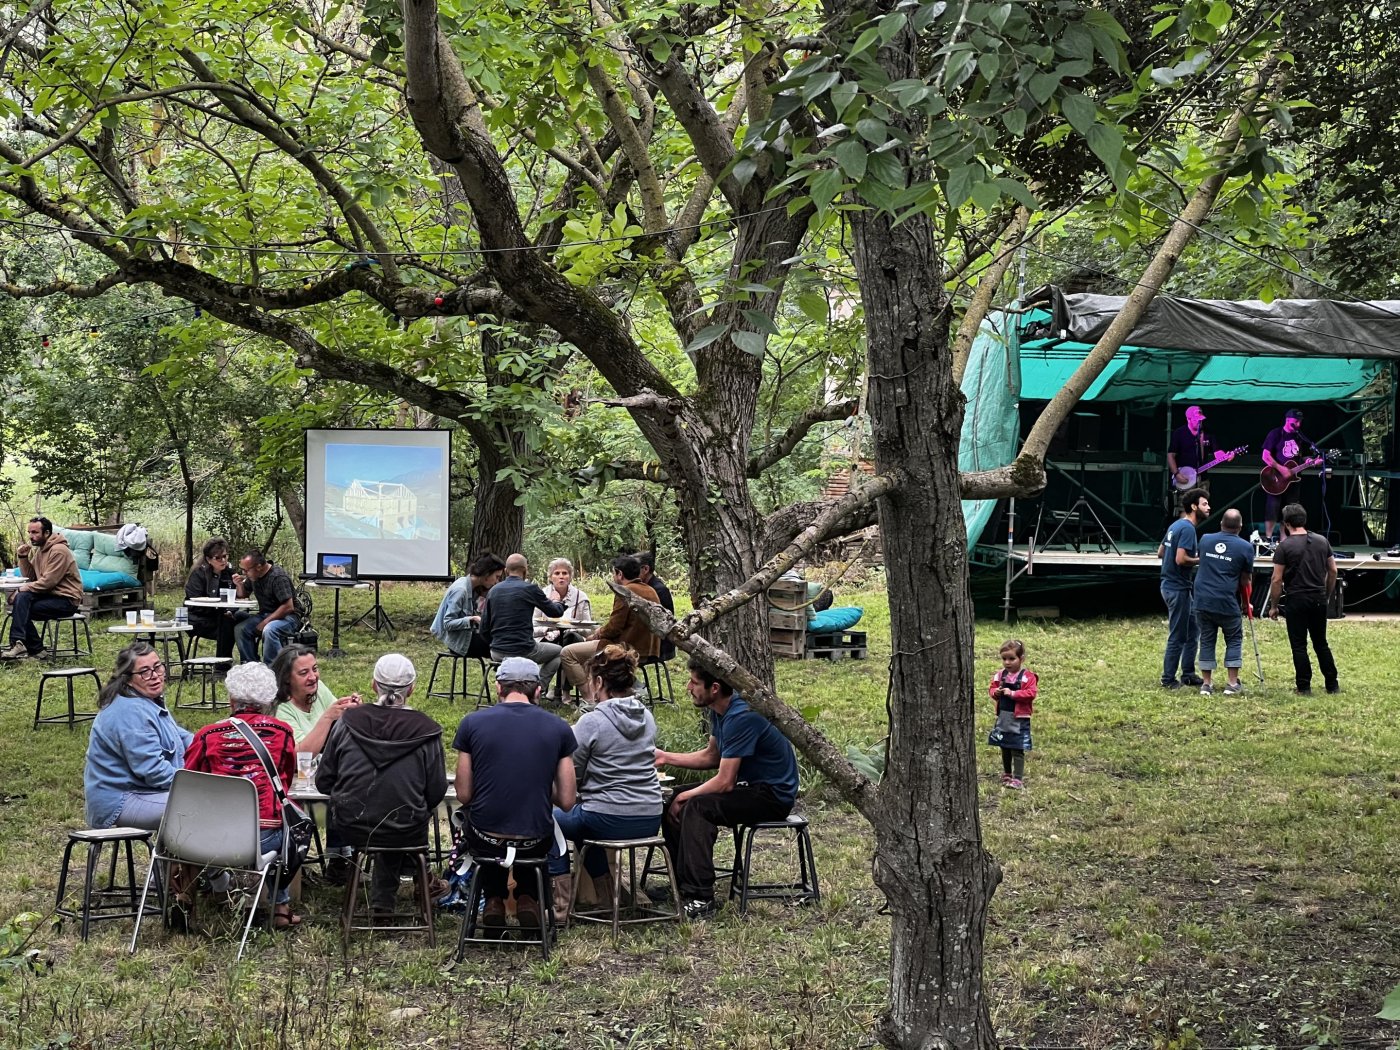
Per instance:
x=1284, y=445
x=276, y=619
x=1191, y=446
x=1305, y=568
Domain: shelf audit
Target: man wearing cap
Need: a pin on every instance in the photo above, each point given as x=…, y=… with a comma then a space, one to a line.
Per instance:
x=508, y=618
x=52, y=588
x=1286, y=445
x=384, y=769
x=513, y=767
x=1194, y=447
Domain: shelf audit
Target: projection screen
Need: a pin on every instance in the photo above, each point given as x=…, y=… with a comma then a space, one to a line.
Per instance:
x=381, y=494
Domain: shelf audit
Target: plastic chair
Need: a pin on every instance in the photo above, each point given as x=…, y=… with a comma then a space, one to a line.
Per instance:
x=211, y=821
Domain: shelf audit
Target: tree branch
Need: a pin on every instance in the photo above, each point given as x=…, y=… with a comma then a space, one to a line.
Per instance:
x=797, y=430
x=987, y=286
x=648, y=400
x=634, y=147
x=60, y=286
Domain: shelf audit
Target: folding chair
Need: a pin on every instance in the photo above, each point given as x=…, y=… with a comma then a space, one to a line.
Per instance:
x=211, y=821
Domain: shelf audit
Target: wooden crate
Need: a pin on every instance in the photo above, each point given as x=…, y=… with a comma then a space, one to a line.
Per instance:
x=788, y=595
x=113, y=602
x=787, y=618
x=786, y=643
x=835, y=645
x=788, y=621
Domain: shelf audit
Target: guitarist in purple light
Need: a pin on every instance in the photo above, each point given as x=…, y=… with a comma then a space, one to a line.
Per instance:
x=1192, y=448
x=1283, y=459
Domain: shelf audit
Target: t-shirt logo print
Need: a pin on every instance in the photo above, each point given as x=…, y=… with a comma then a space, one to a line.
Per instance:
x=1290, y=449
x=1220, y=548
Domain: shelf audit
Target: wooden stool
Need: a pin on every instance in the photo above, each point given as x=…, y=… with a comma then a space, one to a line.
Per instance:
x=353, y=918
x=476, y=896
x=206, y=669
x=51, y=643
x=66, y=675
x=114, y=901
x=805, y=890
x=453, y=691
x=641, y=912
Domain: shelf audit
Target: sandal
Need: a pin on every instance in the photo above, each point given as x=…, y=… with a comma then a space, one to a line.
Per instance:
x=283, y=917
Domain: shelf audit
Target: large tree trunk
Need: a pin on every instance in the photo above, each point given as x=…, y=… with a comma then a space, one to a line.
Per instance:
x=929, y=860
x=498, y=525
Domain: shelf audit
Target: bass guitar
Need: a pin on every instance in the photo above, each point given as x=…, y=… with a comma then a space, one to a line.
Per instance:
x=1192, y=473
x=1275, y=479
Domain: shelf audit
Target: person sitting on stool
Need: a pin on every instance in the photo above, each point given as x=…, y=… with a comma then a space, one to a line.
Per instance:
x=52, y=590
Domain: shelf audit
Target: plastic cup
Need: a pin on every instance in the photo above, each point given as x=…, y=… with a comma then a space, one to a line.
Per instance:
x=304, y=764
x=148, y=617
x=131, y=617
x=229, y=594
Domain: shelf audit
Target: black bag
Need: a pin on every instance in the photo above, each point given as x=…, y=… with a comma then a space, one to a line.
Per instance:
x=298, y=829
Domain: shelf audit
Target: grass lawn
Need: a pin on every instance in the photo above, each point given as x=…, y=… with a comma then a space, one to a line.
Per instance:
x=1181, y=871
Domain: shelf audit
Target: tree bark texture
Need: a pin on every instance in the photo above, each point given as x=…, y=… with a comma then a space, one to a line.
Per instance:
x=929, y=859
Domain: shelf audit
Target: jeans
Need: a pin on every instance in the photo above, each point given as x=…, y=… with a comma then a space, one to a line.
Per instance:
x=276, y=635
x=691, y=839
x=1230, y=625
x=30, y=606
x=1307, y=616
x=546, y=654
x=1182, y=634
x=578, y=824
x=143, y=809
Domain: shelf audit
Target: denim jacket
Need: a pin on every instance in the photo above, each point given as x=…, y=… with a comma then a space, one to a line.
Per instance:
x=136, y=746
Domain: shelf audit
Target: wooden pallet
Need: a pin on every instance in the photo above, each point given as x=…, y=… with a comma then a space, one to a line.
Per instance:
x=787, y=621
x=113, y=602
x=836, y=645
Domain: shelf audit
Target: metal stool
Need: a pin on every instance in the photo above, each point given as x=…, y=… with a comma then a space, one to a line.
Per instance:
x=446, y=810
x=453, y=691
x=421, y=918
x=51, y=644
x=484, y=696
x=805, y=890
x=642, y=912
x=72, y=718
x=654, y=672
x=113, y=901
x=207, y=670
x=476, y=896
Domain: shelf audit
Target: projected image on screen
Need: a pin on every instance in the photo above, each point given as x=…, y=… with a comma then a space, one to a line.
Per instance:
x=383, y=493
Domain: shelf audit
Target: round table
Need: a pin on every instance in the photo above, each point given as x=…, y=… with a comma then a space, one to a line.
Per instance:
x=220, y=603
x=158, y=635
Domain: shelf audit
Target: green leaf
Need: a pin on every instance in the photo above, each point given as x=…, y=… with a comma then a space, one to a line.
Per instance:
x=891, y=24
x=1042, y=86
x=761, y=322
x=819, y=85
x=826, y=187
x=960, y=183
x=985, y=195
x=544, y=136
x=850, y=154
x=744, y=170
x=865, y=40
x=1080, y=112
x=1219, y=14
x=1014, y=120
x=886, y=169
x=842, y=95
x=1107, y=144
x=750, y=342
x=705, y=337
x=875, y=132
x=814, y=306
x=1390, y=1009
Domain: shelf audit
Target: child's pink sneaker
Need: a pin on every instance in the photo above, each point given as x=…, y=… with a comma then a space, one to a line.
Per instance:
x=1006, y=780
x=1014, y=783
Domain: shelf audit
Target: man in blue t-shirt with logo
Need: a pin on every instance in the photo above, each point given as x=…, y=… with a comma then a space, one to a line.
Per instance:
x=1178, y=553
x=1226, y=561
x=757, y=781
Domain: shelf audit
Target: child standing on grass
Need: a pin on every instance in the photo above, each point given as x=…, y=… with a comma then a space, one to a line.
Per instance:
x=1014, y=688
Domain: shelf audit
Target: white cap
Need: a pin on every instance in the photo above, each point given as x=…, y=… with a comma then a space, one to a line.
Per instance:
x=394, y=671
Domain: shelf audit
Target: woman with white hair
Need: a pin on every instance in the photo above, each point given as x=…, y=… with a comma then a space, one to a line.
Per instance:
x=221, y=748
x=384, y=770
x=576, y=605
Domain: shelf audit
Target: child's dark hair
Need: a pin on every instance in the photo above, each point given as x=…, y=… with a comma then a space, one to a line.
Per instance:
x=1014, y=645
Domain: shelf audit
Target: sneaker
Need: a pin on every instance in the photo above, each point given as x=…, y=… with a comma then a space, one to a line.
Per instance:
x=1192, y=679
x=1170, y=683
x=17, y=651
x=657, y=894
x=1005, y=779
x=1207, y=689
x=1015, y=784
x=1304, y=690
x=698, y=909
x=1234, y=689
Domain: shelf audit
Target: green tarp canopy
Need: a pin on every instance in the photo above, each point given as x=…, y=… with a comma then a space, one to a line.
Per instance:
x=1183, y=350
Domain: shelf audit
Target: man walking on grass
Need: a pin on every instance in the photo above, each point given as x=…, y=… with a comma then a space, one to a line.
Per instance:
x=1305, y=567
x=1178, y=553
x=1225, y=564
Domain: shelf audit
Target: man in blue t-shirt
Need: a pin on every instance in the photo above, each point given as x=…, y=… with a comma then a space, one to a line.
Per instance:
x=1225, y=563
x=757, y=781
x=513, y=766
x=1178, y=553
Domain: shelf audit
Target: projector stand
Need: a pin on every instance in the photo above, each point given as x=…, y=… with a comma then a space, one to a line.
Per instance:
x=375, y=618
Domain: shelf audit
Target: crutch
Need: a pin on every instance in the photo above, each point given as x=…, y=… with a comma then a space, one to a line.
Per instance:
x=1248, y=585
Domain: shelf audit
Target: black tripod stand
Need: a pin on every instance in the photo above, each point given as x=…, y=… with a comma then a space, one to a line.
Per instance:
x=1076, y=512
x=375, y=617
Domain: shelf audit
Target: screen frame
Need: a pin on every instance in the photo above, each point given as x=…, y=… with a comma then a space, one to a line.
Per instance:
x=321, y=566
x=348, y=434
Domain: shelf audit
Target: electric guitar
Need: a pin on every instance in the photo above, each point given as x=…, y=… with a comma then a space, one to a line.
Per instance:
x=1275, y=479
x=1192, y=473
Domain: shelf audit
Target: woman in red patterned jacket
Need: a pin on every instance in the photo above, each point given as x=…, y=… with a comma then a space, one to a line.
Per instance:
x=221, y=748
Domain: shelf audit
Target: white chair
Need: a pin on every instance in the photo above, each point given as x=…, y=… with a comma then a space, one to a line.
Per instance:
x=211, y=821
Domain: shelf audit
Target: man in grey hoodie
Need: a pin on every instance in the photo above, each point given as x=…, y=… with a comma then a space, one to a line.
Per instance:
x=615, y=764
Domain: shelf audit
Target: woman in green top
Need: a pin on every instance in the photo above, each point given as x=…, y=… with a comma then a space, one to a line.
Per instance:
x=305, y=702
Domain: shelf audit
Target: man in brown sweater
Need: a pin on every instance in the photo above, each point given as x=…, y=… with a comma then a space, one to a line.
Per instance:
x=52, y=588
x=623, y=625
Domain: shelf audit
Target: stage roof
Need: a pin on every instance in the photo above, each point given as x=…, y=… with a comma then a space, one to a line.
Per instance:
x=1207, y=349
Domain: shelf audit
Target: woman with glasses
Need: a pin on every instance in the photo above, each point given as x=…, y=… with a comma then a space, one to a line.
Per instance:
x=211, y=574
x=136, y=746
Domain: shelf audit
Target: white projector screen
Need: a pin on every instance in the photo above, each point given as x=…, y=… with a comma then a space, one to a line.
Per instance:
x=381, y=494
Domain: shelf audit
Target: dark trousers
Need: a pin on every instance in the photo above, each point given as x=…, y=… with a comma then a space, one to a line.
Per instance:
x=691, y=840
x=1306, y=617
x=30, y=606
x=493, y=878
x=218, y=629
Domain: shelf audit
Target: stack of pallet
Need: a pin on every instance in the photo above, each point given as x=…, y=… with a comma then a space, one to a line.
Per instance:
x=787, y=618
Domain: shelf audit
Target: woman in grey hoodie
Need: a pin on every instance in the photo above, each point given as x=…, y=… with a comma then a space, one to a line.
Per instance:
x=618, y=791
